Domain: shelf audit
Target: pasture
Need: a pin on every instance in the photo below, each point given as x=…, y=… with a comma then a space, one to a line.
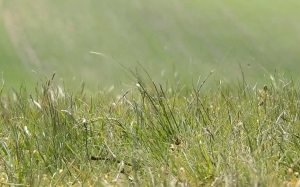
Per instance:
x=169, y=38
x=158, y=93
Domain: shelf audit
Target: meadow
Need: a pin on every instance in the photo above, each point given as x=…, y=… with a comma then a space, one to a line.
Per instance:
x=159, y=93
x=188, y=39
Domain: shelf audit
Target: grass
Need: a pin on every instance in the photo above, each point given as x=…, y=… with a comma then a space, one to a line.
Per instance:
x=152, y=135
x=190, y=37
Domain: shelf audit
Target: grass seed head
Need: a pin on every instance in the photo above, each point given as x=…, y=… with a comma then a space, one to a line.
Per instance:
x=181, y=175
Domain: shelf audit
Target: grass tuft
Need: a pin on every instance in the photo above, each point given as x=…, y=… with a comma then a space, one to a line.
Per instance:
x=152, y=135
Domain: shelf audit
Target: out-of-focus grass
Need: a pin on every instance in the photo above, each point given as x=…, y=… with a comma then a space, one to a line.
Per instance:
x=188, y=37
x=10, y=64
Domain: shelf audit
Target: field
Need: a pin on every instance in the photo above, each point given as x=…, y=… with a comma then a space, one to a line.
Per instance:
x=159, y=93
x=188, y=38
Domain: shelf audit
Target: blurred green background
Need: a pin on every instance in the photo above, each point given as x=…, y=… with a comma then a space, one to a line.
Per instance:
x=169, y=38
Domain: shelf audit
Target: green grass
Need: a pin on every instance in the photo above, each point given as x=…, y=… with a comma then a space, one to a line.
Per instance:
x=190, y=37
x=173, y=130
x=152, y=135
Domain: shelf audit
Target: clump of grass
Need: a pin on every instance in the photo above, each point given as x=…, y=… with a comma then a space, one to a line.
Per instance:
x=151, y=136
